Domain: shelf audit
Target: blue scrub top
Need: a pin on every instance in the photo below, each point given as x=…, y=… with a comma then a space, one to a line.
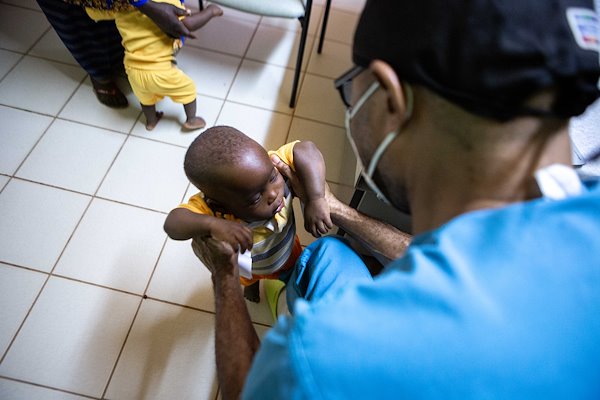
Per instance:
x=501, y=303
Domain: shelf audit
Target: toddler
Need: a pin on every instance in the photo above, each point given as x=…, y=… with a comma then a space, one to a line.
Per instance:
x=245, y=201
x=150, y=60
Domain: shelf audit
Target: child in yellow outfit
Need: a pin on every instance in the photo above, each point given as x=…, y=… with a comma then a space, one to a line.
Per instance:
x=150, y=60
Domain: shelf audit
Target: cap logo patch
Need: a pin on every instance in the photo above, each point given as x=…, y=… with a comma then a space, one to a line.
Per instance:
x=584, y=26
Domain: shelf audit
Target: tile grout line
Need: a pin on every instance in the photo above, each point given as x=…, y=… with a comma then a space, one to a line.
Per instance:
x=29, y=111
x=23, y=55
x=66, y=64
x=49, y=387
x=112, y=289
x=24, y=320
x=143, y=297
x=13, y=67
x=114, y=368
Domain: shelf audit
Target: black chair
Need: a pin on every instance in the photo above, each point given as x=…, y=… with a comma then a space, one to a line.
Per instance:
x=298, y=9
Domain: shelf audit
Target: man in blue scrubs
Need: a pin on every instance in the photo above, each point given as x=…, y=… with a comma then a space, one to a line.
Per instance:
x=458, y=111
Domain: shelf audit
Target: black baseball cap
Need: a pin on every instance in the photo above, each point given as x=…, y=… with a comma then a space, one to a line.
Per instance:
x=488, y=56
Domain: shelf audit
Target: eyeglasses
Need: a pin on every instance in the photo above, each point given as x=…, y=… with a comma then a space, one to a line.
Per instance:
x=344, y=84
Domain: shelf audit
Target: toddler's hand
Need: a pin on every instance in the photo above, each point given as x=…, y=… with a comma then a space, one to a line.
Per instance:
x=166, y=17
x=234, y=233
x=317, y=219
x=293, y=180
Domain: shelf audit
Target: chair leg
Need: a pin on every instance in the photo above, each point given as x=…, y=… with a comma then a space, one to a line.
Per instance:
x=324, y=26
x=200, y=5
x=304, y=23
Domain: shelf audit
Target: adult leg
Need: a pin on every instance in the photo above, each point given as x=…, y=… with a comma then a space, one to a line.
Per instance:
x=328, y=264
x=96, y=46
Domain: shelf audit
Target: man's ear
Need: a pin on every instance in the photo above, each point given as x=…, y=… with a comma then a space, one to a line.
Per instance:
x=396, y=96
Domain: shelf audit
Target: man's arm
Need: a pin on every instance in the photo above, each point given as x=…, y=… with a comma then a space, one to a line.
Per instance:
x=376, y=235
x=236, y=341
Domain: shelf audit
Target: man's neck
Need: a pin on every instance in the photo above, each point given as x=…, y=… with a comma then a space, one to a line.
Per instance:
x=454, y=183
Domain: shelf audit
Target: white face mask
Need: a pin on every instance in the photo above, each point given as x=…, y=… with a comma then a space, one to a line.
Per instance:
x=367, y=173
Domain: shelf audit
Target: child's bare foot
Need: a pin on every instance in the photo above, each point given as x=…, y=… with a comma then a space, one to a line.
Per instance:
x=215, y=9
x=151, y=123
x=194, y=123
x=252, y=292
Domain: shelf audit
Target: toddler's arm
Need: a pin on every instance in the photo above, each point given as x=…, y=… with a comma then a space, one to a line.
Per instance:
x=166, y=16
x=310, y=167
x=183, y=224
x=199, y=19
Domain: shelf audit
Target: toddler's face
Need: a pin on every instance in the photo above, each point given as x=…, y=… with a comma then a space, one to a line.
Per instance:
x=256, y=189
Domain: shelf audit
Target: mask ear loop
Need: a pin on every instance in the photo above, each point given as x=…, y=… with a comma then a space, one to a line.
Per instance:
x=366, y=96
x=392, y=135
x=350, y=113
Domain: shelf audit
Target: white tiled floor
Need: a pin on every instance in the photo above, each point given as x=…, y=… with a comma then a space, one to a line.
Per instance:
x=95, y=301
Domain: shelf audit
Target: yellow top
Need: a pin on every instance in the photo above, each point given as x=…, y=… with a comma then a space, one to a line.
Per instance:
x=146, y=45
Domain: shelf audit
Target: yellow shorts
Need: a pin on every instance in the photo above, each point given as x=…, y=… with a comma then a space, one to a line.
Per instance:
x=152, y=86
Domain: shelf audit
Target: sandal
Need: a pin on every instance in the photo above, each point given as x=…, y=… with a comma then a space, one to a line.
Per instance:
x=109, y=94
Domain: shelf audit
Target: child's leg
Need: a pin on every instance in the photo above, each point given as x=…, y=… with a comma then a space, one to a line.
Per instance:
x=198, y=20
x=252, y=292
x=152, y=116
x=192, y=121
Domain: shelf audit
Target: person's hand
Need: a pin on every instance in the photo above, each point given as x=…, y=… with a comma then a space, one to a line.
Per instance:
x=335, y=205
x=237, y=235
x=293, y=180
x=317, y=220
x=218, y=256
x=166, y=16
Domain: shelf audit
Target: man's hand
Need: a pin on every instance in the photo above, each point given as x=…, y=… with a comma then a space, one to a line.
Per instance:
x=234, y=233
x=218, y=256
x=166, y=16
x=317, y=220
